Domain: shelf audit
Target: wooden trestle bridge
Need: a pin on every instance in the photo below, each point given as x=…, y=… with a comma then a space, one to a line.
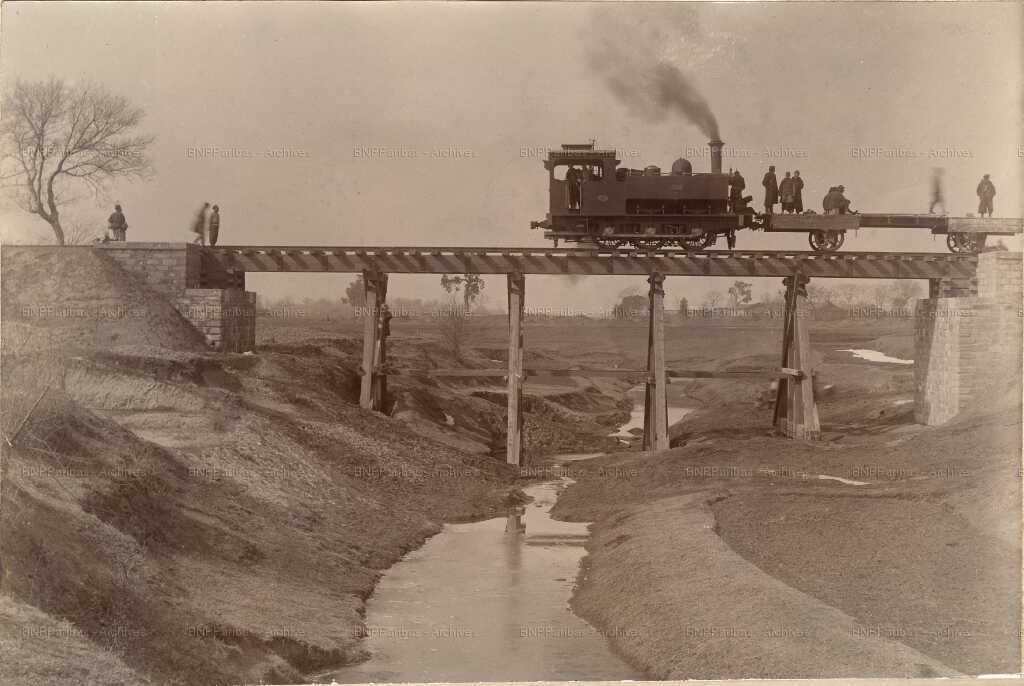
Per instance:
x=795, y=410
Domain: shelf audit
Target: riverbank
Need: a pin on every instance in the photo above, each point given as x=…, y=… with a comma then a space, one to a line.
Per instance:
x=200, y=518
x=741, y=555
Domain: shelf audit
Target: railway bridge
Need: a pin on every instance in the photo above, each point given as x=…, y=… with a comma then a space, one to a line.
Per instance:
x=950, y=364
x=949, y=276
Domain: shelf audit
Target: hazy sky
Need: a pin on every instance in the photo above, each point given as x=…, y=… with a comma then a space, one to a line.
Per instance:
x=461, y=94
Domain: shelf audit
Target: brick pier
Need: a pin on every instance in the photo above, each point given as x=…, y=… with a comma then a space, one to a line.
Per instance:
x=213, y=300
x=968, y=338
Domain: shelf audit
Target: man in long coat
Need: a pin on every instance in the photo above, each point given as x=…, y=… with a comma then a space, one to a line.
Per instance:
x=986, y=191
x=798, y=192
x=771, y=189
x=786, y=193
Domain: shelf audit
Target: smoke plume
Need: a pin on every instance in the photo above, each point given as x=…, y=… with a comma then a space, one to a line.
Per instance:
x=649, y=85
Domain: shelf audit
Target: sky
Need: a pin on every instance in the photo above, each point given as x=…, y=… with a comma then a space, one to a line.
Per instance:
x=425, y=124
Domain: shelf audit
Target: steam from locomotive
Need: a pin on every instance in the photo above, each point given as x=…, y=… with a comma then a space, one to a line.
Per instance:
x=663, y=88
x=644, y=81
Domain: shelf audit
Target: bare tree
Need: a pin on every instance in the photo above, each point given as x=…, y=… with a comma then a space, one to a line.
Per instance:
x=453, y=328
x=740, y=293
x=712, y=298
x=470, y=284
x=847, y=294
x=56, y=138
x=355, y=293
x=78, y=233
x=820, y=295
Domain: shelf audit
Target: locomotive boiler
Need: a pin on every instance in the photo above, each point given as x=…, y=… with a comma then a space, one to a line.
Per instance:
x=594, y=200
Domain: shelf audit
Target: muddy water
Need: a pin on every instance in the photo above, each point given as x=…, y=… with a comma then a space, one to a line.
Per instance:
x=483, y=602
x=636, y=415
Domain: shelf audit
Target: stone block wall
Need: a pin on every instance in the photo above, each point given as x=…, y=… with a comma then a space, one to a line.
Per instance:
x=168, y=267
x=967, y=349
x=226, y=317
x=1000, y=277
x=214, y=301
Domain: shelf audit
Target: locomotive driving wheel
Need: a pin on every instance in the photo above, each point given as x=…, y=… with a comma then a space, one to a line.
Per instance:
x=701, y=242
x=611, y=243
x=826, y=241
x=647, y=244
x=964, y=242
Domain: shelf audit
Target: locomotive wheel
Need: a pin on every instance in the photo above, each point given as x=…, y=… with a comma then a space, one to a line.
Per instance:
x=611, y=243
x=701, y=242
x=647, y=244
x=826, y=241
x=963, y=243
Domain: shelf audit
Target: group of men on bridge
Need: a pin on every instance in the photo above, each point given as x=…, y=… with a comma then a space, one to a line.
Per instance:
x=206, y=225
x=788, y=192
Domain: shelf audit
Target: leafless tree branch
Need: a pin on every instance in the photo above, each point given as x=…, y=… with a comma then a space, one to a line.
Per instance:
x=55, y=136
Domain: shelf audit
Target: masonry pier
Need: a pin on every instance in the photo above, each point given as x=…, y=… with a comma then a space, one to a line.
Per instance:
x=967, y=338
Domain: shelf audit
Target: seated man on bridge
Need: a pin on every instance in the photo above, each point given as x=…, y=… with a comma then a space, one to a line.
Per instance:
x=835, y=202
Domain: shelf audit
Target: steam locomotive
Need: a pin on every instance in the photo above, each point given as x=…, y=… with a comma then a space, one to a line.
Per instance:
x=595, y=202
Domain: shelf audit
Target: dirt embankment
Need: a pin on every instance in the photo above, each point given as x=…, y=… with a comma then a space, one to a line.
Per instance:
x=199, y=518
x=728, y=556
x=220, y=528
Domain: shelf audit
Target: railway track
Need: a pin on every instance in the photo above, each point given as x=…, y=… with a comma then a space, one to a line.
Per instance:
x=586, y=261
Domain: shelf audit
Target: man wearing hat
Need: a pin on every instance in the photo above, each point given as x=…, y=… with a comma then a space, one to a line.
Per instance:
x=986, y=191
x=771, y=189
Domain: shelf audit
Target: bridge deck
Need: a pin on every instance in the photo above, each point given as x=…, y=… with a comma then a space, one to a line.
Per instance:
x=582, y=261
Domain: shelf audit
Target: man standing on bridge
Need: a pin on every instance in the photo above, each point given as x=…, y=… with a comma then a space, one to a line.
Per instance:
x=937, y=198
x=986, y=191
x=798, y=193
x=214, y=224
x=199, y=225
x=117, y=224
x=771, y=189
x=786, y=193
x=736, y=185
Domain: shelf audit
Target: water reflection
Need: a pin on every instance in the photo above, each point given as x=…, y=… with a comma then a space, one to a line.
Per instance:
x=487, y=601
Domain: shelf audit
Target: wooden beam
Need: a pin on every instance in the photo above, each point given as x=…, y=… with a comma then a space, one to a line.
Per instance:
x=375, y=292
x=656, y=400
x=796, y=413
x=514, y=441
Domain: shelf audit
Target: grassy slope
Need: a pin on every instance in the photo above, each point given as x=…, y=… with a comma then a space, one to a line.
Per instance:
x=927, y=555
x=38, y=649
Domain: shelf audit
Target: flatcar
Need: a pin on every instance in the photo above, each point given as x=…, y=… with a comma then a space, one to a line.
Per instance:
x=594, y=201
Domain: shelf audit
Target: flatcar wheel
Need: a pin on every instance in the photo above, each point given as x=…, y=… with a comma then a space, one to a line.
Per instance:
x=825, y=241
x=961, y=243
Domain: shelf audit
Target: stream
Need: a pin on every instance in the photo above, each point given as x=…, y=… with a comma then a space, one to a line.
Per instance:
x=489, y=601
x=480, y=602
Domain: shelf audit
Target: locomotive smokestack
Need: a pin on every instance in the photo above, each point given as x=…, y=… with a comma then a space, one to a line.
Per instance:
x=716, y=155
